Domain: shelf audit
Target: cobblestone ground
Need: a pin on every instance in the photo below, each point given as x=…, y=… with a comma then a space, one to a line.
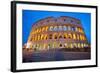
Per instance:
x=54, y=56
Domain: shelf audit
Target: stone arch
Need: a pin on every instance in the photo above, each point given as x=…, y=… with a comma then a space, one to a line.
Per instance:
x=43, y=29
x=45, y=37
x=60, y=36
x=51, y=28
x=64, y=28
x=42, y=36
x=69, y=35
x=55, y=28
x=74, y=36
x=46, y=28
x=55, y=36
x=50, y=36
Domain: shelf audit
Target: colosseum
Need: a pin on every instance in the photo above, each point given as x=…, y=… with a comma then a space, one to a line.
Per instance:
x=62, y=33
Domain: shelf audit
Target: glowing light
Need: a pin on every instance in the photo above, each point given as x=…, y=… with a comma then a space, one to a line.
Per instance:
x=74, y=36
x=28, y=45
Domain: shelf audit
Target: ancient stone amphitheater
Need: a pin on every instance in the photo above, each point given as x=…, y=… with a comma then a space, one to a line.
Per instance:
x=62, y=33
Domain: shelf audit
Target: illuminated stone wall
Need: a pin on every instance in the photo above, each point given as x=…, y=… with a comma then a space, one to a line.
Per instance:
x=57, y=33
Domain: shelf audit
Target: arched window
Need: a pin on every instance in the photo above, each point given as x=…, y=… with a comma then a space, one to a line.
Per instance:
x=60, y=36
x=85, y=45
x=79, y=30
x=42, y=36
x=44, y=46
x=60, y=28
x=43, y=29
x=64, y=28
x=55, y=45
x=60, y=45
x=76, y=29
x=70, y=36
x=81, y=37
x=84, y=38
x=66, y=45
x=69, y=28
x=35, y=38
x=71, y=46
x=82, y=45
x=77, y=37
x=50, y=36
x=39, y=29
x=39, y=37
x=45, y=37
x=51, y=28
x=55, y=28
x=79, y=45
x=49, y=45
x=65, y=35
x=73, y=28
x=75, y=45
x=46, y=28
x=74, y=36
x=55, y=35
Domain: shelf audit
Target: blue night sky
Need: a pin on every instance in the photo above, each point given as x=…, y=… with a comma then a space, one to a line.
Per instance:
x=29, y=17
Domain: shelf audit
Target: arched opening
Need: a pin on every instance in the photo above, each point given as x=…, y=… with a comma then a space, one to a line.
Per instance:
x=50, y=36
x=43, y=29
x=49, y=46
x=60, y=45
x=60, y=37
x=60, y=28
x=38, y=37
x=71, y=45
x=74, y=36
x=45, y=37
x=69, y=28
x=70, y=36
x=45, y=46
x=42, y=37
x=77, y=37
x=82, y=45
x=46, y=28
x=64, y=36
x=51, y=28
x=73, y=29
x=79, y=46
x=65, y=45
x=55, y=28
x=64, y=28
x=39, y=29
x=55, y=36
